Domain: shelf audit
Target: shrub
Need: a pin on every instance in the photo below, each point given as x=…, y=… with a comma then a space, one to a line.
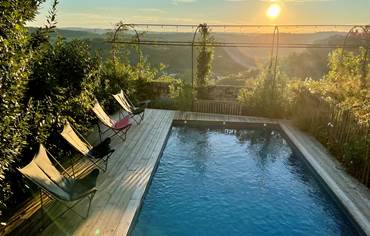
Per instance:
x=182, y=94
x=59, y=84
x=115, y=76
x=268, y=97
x=15, y=56
x=336, y=110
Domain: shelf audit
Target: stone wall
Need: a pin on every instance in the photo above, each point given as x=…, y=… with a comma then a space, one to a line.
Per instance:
x=222, y=92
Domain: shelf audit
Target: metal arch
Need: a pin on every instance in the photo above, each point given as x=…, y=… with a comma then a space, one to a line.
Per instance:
x=274, y=57
x=366, y=38
x=351, y=31
x=275, y=47
x=121, y=26
x=192, y=64
x=192, y=52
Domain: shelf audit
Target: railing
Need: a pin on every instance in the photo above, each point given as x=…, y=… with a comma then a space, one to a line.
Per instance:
x=220, y=107
x=340, y=132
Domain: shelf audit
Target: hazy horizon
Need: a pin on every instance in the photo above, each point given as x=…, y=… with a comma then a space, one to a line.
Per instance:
x=104, y=14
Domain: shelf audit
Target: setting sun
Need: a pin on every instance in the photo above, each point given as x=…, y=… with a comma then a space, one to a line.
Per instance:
x=273, y=11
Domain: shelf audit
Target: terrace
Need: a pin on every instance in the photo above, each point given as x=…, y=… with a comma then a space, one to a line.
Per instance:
x=248, y=130
x=122, y=188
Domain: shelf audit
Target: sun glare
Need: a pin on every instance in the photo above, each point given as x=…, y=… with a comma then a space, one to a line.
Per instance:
x=273, y=11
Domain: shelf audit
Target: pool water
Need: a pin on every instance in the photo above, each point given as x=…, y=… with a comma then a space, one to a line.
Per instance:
x=236, y=182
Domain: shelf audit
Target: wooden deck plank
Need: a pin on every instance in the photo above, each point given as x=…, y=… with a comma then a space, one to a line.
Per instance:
x=137, y=168
x=105, y=181
x=123, y=185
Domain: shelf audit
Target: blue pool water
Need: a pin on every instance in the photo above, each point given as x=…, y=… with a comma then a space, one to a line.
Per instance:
x=236, y=182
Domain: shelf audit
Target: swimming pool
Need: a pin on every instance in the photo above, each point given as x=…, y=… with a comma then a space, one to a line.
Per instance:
x=236, y=182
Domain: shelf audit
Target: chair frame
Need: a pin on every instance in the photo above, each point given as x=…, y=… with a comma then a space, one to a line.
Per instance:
x=90, y=157
x=131, y=106
x=116, y=132
x=47, y=193
x=90, y=196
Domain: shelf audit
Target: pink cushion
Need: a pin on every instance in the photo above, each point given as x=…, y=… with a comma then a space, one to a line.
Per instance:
x=122, y=123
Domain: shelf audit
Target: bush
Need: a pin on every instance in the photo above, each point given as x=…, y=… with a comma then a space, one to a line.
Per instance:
x=59, y=84
x=336, y=110
x=115, y=76
x=65, y=79
x=15, y=56
x=268, y=97
x=182, y=94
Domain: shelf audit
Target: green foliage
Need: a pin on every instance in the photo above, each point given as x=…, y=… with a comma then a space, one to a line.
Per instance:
x=347, y=84
x=336, y=109
x=115, y=76
x=182, y=94
x=41, y=85
x=268, y=97
x=15, y=56
x=310, y=63
x=64, y=80
x=204, y=58
x=239, y=79
x=144, y=74
x=135, y=80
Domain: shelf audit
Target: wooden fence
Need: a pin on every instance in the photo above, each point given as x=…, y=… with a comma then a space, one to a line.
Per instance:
x=340, y=132
x=219, y=107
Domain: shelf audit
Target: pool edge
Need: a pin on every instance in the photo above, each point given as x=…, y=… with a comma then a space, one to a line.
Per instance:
x=362, y=221
x=154, y=170
x=322, y=170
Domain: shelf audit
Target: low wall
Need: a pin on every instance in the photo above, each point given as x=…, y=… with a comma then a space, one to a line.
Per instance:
x=215, y=92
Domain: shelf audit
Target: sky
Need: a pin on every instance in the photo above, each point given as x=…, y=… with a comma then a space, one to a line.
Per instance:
x=105, y=13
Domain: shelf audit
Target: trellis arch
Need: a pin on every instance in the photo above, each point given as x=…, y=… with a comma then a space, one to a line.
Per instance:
x=120, y=27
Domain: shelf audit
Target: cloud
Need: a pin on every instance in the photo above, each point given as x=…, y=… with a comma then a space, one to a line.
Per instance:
x=152, y=10
x=297, y=1
x=182, y=1
x=282, y=1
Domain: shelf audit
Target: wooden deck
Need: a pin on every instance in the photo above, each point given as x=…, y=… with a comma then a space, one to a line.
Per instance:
x=130, y=168
x=122, y=187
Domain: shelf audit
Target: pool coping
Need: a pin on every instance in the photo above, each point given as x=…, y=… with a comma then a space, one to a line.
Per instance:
x=353, y=196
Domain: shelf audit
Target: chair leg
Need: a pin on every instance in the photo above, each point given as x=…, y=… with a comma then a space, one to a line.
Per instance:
x=142, y=116
x=124, y=133
x=135, y=119
x=100, y=133
x=91, y=197
x=69, y=208
x=73, y=168
x=118, y=134
x=42, y=203
x=96, y=163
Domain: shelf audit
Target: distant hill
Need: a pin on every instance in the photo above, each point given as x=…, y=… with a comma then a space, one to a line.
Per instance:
x=227, y=60
x=91, y=30
x=71, y=34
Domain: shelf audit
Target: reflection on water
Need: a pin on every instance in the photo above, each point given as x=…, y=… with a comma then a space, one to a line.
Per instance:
x=236, y=182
